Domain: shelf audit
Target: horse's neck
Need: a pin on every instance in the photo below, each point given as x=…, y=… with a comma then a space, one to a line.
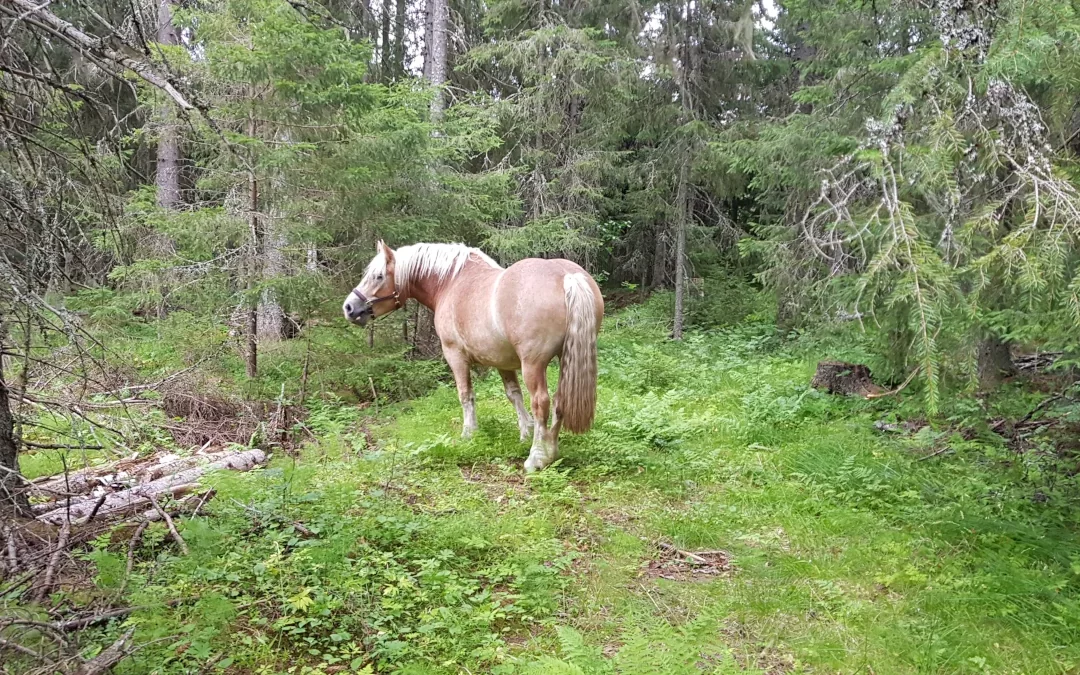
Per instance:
x=426, y=290
x=429, y=290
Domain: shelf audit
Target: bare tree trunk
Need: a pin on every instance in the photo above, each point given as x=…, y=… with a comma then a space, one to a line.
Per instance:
x=168, y=151
x=13, y=498
x=429, y=16
x=312, y=264
x=437, y=76
x=56, y=269
x=254, y=271
x=683, y=205
x=682, y=198
x=425, y=343
x=399, y=39
x=385, y=49
x=994, y=361
x=660, y=258
x=274, y=266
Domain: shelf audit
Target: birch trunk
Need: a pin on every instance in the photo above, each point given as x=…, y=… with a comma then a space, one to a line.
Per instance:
x=440, y=11
x=168, y=150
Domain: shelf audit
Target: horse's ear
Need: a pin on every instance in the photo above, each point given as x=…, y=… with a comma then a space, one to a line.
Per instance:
x=388, y=254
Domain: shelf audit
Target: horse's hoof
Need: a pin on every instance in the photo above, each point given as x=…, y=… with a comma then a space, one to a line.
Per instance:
x=532, y=466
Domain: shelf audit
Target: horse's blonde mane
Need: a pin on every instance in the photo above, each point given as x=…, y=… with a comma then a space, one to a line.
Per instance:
x=443, y=261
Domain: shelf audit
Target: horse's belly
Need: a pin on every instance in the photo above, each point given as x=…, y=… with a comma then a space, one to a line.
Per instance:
x=495, y=354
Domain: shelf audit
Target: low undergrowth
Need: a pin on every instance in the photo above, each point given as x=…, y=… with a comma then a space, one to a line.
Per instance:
x=846, y=548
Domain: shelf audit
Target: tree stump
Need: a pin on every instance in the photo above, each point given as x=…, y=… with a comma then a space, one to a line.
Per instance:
x=995, y=362
x=838, y=377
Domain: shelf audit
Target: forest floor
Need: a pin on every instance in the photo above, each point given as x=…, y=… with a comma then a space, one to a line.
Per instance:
x=721, y=517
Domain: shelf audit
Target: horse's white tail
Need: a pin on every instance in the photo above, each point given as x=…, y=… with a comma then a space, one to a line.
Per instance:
x=575, y=398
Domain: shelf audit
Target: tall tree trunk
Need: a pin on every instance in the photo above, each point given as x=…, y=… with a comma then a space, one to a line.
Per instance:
x=660, y=257
x=399, y=39
x=440, y=11
x=429, y=17
x=168, y=151
x=682, y=198
x=683, y=216
x=254, y=267
x=274, y=266
x=386, y=49
x=13, y=498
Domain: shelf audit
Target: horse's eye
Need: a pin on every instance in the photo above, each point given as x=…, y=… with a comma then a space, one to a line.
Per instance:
x=379, y=277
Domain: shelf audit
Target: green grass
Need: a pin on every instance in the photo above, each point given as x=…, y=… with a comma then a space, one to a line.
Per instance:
x=853, y=551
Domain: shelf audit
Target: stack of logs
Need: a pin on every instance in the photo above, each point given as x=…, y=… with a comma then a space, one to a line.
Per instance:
x=130, y=487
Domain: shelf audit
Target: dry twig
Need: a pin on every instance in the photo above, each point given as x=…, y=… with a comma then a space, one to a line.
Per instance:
x=132, y=545
x=54, y=560
x=172, y=526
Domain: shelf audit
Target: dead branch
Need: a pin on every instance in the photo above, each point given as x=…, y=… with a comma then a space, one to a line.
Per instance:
x=56, y=446
x=54, y=559
x=132, y=546
x=686, y=554
x=899, y=389
x=172, y=526
x=12, y=553
x=92, y=620
x=108, y=658
x=100, y=501
x=43, y=626
x=84, y=43
x=25, y=651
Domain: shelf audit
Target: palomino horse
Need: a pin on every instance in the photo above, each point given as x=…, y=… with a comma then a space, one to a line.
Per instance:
x=511, y=319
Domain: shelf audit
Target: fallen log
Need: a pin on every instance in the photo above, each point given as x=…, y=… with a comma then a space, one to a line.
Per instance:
x=80, y=482
x=120, y=474
x=100, y=498
x=137, y=498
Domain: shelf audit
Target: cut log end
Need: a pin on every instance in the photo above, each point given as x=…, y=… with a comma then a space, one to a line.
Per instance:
x=838, y=377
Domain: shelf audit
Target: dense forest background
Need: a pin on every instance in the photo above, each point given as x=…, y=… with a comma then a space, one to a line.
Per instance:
x=905, y=166
x=189, y=189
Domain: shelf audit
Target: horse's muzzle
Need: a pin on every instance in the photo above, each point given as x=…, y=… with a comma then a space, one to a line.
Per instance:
x=357, y=311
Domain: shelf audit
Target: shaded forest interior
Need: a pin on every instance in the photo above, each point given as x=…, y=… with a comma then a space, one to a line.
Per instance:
x=884, y=191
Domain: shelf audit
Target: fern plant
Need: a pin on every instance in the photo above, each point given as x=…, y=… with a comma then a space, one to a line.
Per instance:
x=660, y=649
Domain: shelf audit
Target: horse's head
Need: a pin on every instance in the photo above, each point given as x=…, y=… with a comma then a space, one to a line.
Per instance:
x=377, y=292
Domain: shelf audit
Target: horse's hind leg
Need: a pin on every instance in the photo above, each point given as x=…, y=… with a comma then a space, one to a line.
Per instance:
x=513, y=392
x=545, y=444
x=459, y=364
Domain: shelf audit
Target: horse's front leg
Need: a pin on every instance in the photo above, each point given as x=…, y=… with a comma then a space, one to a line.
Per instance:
x=513, y=392
x=459, y=364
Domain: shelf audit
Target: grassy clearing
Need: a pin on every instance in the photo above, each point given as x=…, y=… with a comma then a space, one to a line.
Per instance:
x=849, y=550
